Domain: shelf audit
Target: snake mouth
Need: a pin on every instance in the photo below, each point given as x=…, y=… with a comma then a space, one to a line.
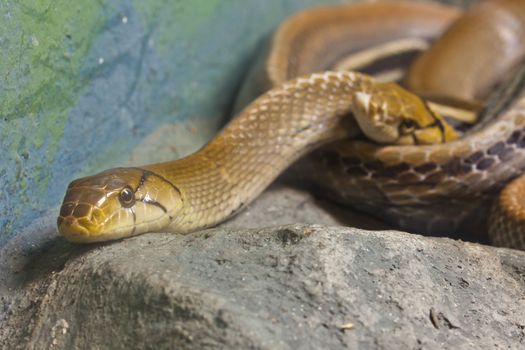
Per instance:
x=82, y=223
x=71, y=228
x=81, y=230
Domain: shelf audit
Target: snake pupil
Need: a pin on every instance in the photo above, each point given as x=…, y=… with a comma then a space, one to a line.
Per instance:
x=126, y=197
x=408, y=126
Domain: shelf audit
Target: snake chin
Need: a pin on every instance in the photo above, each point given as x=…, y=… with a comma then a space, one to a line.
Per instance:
x=79, y=231
x=74, y=231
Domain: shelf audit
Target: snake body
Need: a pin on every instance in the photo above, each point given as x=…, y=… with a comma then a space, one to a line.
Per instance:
x=474, y=53
x=426, y=188
x=249, y=153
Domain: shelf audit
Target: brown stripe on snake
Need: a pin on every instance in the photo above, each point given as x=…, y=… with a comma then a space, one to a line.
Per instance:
x=315, y=39
x=144, y=177
x=134, y=229
x=386, y=63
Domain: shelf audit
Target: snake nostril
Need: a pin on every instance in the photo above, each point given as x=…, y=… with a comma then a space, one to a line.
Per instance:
x=67, y=209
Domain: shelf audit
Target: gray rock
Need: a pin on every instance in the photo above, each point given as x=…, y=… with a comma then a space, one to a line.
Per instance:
x=288, y=287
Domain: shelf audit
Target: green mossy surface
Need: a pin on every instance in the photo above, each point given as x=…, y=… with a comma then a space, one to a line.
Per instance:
x=43, y=48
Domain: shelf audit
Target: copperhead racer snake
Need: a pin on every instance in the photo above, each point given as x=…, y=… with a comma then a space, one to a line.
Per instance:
x=415, y=170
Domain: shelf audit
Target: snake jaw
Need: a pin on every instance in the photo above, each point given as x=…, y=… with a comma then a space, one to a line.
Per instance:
x=362, y=101
x=373, y=120
x=387, y=113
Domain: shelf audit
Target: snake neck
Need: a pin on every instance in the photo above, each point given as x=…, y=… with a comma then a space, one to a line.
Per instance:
x=257, y=145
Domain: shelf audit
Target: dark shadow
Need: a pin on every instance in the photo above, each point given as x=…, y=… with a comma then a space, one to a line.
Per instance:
x=34, y=264
x=353, y=217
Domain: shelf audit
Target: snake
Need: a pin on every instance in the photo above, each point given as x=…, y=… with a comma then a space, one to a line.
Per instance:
x=374, y=145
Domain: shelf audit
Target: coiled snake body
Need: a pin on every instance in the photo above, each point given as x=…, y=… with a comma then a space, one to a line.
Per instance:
x=415, y=184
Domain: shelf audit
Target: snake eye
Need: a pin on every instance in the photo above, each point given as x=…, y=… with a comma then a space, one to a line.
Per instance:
x=126, y=197
x=407, y=126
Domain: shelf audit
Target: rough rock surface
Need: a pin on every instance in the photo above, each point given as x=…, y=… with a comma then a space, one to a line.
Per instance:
x=284, y=287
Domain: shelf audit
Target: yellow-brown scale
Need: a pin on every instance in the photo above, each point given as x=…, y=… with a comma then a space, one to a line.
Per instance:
x=256, y=146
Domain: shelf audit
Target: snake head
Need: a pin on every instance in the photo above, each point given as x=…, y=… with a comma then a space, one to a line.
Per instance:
x=117, y=203
x=392, y=115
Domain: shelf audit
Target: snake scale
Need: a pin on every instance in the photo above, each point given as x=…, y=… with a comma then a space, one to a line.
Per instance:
x=426, y=180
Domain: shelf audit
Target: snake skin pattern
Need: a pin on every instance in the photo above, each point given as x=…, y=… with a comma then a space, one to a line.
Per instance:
x=428, y=189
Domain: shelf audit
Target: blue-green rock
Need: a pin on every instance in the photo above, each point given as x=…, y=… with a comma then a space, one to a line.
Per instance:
x=83, y=82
